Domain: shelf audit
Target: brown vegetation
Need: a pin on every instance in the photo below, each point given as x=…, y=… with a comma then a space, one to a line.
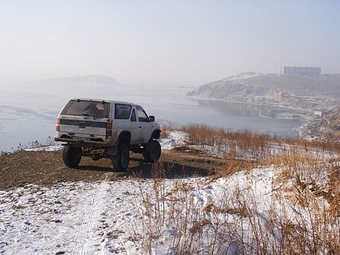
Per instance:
x=307, y=179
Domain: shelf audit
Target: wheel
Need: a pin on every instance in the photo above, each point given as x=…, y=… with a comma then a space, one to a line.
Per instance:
x=71, y=156
x=120, y=161
x=152, y=151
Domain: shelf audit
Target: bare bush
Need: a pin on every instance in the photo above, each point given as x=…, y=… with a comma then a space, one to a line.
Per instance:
x=301, y=215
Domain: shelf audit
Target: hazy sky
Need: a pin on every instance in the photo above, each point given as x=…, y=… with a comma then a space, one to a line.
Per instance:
x=166, y=40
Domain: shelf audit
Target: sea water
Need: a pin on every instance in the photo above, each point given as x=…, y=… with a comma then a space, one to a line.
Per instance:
x=28, y=111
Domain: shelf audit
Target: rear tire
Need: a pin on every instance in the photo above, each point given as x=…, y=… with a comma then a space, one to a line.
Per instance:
x=121, y=161
x=72, y=156
x=152, y=151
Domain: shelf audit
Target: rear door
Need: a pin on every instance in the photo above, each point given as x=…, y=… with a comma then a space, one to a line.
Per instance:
x=85, y=118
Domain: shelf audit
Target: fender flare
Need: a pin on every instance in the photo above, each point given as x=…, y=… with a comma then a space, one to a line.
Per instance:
x=156, y=134
x=123, y=138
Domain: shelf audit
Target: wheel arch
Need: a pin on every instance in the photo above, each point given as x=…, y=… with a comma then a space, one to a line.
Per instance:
x=123, y=138
x=156, y=134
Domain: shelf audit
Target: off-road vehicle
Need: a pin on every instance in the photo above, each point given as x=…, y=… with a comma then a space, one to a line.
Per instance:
x=106, y=129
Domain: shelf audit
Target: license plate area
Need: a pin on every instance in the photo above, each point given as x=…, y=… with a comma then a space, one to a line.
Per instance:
x=77, y=138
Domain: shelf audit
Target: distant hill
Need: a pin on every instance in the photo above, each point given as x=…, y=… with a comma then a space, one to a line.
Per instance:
x=88, y=80
x=290, y=91
x=88, y=86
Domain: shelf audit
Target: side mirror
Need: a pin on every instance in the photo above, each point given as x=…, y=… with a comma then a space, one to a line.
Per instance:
x=152, y=118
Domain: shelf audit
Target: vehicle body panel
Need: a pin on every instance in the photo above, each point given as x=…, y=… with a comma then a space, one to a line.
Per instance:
x=103, y=121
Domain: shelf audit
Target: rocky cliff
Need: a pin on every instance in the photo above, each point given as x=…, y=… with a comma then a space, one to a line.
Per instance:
x=302, y=93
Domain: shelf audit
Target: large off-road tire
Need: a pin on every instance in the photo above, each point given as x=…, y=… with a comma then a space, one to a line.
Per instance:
x=120, y=162
x=72, y=156
x=152, y=151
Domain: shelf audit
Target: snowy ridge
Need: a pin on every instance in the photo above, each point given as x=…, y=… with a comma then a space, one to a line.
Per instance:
x=199, y=215
x=110, y=217
x=242, y=76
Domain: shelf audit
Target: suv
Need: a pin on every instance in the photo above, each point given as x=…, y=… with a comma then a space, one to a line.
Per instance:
x=106, y=129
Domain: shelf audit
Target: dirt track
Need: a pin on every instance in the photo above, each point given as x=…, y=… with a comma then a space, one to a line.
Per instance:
x=47, y=168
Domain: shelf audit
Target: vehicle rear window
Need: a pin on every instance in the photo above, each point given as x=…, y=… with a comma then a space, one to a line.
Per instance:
x=122, y=111
x=96, y=109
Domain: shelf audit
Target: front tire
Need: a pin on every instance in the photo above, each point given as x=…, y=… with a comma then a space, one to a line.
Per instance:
x=72, y=156
x=152, y=151
x=121, y=161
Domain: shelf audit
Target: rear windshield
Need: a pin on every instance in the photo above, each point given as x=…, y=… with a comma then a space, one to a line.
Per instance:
x=94, y=109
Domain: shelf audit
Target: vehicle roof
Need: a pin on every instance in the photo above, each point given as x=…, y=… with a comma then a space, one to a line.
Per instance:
x=105, y=100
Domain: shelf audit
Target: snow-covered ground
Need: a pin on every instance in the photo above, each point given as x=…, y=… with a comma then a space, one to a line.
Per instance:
x=139, y=216
x=96, y=218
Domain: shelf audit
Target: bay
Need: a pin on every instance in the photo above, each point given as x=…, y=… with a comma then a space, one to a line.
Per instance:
x=28, y=111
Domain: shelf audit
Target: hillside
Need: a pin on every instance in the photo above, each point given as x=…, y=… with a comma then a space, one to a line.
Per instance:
x=261, y=195
x=328, y=128
x=300, y=93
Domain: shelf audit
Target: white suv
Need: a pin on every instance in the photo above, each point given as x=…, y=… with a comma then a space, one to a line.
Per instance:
x=106, y=129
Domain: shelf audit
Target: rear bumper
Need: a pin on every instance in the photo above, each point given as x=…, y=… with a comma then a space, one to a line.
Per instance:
x=81, y=142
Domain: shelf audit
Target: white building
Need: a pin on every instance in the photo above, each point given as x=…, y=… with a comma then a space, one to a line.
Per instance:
x=297, y=70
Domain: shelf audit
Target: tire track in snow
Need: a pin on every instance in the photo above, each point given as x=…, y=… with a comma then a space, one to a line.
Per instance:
x=87, y=240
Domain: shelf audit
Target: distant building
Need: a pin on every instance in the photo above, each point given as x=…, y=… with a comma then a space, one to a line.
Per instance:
x=297, y=70
x=318, y=114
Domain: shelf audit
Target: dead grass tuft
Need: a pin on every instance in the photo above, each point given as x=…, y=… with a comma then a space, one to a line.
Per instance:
x=302, y=218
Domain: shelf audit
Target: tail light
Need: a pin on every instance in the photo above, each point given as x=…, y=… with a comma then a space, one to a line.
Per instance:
x=57, y=127
x=109, y=129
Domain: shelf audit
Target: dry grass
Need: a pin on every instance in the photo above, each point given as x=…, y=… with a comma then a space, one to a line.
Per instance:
x=301, y=218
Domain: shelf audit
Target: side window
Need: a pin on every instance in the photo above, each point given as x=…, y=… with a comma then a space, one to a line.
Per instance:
x=122, y=111
x=142, y=116
x=133, y=116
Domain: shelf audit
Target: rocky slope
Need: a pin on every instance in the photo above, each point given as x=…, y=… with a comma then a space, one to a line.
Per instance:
x=328, y=128
x=301, y=93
